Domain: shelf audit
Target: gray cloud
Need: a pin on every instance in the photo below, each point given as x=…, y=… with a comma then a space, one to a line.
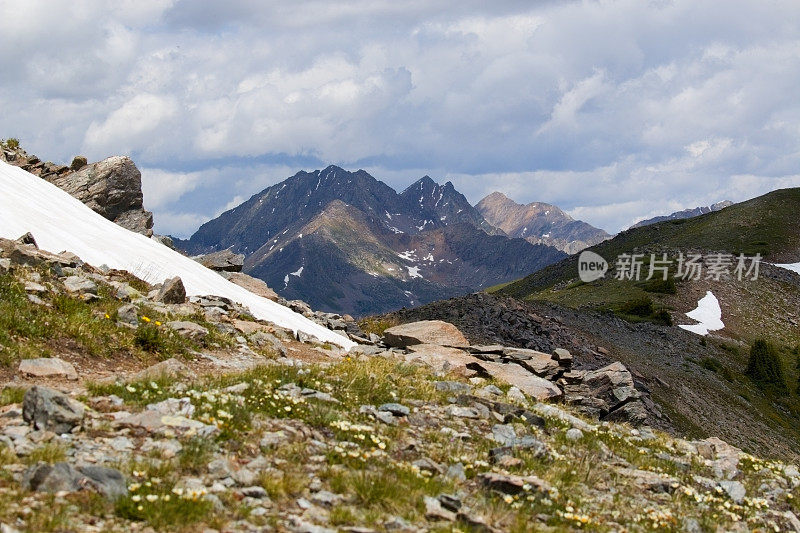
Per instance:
x=613, y=110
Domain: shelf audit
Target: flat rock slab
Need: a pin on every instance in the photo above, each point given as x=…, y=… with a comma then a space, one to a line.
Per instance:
x=155, y=422
x=513, y=374
x=47, y=367
x=441, y=358
x=425, y=332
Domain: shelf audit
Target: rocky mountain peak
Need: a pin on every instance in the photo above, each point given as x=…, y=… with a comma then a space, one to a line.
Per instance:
x=539, y=223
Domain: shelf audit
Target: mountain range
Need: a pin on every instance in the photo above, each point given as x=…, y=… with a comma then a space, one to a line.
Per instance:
x=539, y=223
x=686, y=213
x=346, y=242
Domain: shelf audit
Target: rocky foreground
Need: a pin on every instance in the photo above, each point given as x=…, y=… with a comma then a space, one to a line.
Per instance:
x=127, y=407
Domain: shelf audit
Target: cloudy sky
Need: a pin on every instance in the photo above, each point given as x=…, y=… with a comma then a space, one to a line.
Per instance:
x=613, y=110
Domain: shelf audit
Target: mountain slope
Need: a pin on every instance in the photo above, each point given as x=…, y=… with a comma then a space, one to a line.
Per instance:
x=686, y=213
x=346, y=242
x=539, y=223
x=31, y=204
x=767, y=225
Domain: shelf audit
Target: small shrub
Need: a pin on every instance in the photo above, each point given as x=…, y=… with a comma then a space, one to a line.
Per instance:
x=148, y=338
x=12, y=142
x=764, y=365
x=642, y=307
x=661, y=286
x=195, y=455
x=11, y=394
x=47, y=453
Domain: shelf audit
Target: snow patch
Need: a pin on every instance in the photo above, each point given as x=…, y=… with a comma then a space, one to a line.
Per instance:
x=414, y=272
x=708, y=313
x=408, y=255
x=60, y=222
x=794, y=267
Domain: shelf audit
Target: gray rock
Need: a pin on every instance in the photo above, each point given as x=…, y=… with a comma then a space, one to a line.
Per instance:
x=395, y=409
x=574, y=434
x=112, y=188
x=5, y=266
x=563, y=357
x=435, y=512
x=504, y=434
x=511, y=484
x=80, y=285
x=170, y=368
x=48, y=409
x=225, y=260
x=735, y=490
x=128, y=314
x=189, y=330
x=64, y=477
x=452, y=386
x=172, y=292
x=48, y=367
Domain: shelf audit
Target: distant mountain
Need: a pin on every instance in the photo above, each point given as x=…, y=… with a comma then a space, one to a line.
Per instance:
x=347, y=242
x=686, y=213
x=539, y=223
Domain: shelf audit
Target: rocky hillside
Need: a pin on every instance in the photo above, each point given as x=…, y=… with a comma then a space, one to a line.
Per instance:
x=539, y=223
x=686, y=213
x=125, y=407
x=348, y=243
x=112, y=187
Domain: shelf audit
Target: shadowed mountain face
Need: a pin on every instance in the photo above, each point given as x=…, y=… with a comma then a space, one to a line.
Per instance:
x=539, y=223
x=346, y=242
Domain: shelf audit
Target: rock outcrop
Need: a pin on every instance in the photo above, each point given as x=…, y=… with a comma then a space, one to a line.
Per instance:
x=111, y=187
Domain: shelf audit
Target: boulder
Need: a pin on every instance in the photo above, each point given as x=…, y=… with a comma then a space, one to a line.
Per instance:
x=63, y=477
x=513, y=374
x=47, y=367
x=78, y=162
x=190, y=330
x=50, y=410
x=80, y=285
x=607, y=393
x=171, y=368
x=254, y=285
x=224, y=261
x=541, y=364
x=172, y=291
x=425, y=332
x=112, y=188
x=441, y=359
x=511, y=484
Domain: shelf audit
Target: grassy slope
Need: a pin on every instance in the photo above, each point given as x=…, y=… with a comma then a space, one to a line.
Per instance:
x=752, y=309
x=767, y=225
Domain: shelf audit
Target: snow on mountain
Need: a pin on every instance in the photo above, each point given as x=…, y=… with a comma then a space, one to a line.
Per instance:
x=794, y=267
x=708, y=313
x=60, y=222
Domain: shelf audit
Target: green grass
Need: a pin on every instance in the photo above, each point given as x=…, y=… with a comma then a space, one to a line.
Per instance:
x=28, y=330
x=767, y=225
x=11, y=394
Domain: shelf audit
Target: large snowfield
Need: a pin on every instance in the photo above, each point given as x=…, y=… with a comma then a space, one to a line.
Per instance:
x=60, y=222
x=708, y=313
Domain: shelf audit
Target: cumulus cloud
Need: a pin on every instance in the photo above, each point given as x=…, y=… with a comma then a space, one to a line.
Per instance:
x=613, y=110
